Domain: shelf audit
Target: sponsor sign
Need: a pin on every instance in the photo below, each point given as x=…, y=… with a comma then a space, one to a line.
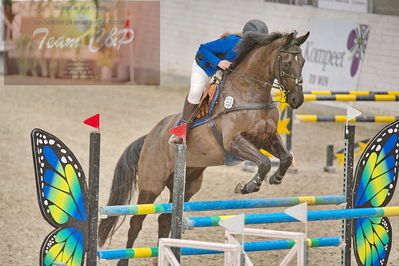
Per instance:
x=84, y=42
x=334, y=55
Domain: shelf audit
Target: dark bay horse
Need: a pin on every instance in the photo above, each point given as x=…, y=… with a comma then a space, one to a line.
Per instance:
x=148, y=162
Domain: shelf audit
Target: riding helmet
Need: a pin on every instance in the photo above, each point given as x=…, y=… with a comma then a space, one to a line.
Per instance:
x=255, y=25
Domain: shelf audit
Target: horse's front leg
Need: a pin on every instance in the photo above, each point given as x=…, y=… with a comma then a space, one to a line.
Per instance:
x=278, y=149
x=246, y=150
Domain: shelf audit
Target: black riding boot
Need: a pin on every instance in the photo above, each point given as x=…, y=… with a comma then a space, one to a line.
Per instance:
x=187, y=117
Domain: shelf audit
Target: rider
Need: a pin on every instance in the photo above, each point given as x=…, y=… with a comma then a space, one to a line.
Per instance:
x=210, y=58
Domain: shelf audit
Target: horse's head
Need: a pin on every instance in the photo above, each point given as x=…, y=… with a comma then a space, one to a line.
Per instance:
x=288, y=68
x=263, y=58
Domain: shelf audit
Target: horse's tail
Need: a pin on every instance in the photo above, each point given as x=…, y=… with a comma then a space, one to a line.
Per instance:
x=123, y=183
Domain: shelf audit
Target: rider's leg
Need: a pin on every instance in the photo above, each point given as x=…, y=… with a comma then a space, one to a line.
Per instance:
x=199, y=79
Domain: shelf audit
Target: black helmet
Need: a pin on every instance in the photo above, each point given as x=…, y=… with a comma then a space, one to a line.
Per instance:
x=255, y=25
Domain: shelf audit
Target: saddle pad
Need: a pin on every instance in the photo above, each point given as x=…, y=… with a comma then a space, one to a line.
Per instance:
x=200, y=121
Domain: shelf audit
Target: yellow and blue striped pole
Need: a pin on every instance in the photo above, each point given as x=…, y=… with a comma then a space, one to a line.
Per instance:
x=248, y=246
x=312, y=216
x=342, y=118
x=222, y=205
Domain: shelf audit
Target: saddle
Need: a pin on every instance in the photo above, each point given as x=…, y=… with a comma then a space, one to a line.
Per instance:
x=208, y=95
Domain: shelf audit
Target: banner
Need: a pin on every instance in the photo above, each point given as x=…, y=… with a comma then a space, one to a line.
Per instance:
x=84, y=43
x=334, y=55
x=347, y=5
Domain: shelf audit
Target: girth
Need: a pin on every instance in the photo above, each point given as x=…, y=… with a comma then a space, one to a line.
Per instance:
x=246, y=106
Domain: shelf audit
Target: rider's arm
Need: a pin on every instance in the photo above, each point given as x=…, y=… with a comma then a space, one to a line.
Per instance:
x=208, y=50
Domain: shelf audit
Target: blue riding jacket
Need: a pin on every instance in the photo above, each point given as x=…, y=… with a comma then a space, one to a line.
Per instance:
x=210, y=54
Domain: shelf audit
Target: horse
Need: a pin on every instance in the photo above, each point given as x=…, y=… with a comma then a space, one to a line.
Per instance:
x=147, y=164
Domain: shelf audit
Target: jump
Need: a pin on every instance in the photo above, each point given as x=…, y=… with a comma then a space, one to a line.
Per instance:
x=247, y=126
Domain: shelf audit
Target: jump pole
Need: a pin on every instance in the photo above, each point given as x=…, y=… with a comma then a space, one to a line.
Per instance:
x=347, y=92
x=94, y=173
x=342, y=118
x=351, y=98
x=179, y=181
x=267, y=218
x=248, y=246
x=194, y=206
x=353, y=92
x=349, y=145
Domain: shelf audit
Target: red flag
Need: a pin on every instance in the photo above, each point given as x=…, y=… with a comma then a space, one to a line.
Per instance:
x=179, y=131
x=93, y=121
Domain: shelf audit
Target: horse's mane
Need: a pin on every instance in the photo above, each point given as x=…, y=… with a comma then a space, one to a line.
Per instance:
x=253, y=39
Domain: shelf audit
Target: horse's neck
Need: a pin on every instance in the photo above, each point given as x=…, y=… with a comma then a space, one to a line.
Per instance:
x=258, y=65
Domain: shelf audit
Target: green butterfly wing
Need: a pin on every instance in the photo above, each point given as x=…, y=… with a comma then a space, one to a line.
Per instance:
x=62, y=195
x=375, y=182
x=63, y=246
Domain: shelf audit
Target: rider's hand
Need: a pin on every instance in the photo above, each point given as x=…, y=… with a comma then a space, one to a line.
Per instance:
x=224, y=64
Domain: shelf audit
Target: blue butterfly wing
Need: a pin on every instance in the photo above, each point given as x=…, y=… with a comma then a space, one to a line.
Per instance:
x=372, y=240
x=375, y=182
x=63, y=246
x=62, y=194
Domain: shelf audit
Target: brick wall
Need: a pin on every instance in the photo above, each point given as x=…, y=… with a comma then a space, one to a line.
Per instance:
x=187, y=23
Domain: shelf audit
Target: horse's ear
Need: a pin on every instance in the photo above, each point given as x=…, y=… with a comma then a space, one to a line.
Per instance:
x=289, y=39
x=300, y=40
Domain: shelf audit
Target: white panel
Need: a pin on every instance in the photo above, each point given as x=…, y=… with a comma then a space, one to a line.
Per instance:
x=334, y=54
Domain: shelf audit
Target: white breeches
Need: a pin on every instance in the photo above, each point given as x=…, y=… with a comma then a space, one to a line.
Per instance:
x=199, y=79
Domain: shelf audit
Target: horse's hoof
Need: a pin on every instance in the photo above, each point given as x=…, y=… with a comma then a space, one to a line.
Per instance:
x=251, y=189
x=275, y=179
x=124, y=262
x=240, y=186
x=243, y=188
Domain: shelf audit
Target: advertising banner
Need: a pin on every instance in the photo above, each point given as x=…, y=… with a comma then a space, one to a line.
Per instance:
x=334, y=54
x=84, y=42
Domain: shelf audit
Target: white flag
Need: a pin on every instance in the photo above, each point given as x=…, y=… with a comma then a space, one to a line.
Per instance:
x=299, y=212
x=351, y=113
x=235, y=224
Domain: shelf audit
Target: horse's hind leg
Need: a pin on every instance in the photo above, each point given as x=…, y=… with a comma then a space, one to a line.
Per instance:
x=246, y=150
x=278, y=149
x=193, y=185
x=136, y=221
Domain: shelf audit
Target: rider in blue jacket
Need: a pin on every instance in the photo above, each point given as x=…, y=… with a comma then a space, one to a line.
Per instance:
x=210, y=58
x=210, y=54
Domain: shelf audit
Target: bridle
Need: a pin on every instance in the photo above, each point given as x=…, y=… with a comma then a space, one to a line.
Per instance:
x=281, y=72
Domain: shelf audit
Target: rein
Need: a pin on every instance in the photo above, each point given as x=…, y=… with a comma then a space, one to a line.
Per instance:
x=264, y=83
